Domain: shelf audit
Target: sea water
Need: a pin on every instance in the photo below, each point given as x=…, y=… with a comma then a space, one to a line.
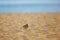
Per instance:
x=29, y=7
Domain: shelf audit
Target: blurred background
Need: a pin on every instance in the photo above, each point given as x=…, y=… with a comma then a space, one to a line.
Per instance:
x=29, y=5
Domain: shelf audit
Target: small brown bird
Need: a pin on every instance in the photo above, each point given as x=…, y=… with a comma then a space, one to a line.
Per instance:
x=25, y=26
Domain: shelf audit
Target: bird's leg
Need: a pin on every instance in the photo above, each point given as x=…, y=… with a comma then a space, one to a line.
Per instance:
x=25, y=31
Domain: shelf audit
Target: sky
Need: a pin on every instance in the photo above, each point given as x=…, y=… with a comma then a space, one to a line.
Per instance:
x=29, y=1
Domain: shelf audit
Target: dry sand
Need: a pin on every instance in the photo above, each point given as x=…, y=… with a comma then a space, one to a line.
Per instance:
x=40, y=26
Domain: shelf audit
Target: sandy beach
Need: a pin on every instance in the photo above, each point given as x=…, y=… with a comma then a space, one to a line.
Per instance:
x=41, y=26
